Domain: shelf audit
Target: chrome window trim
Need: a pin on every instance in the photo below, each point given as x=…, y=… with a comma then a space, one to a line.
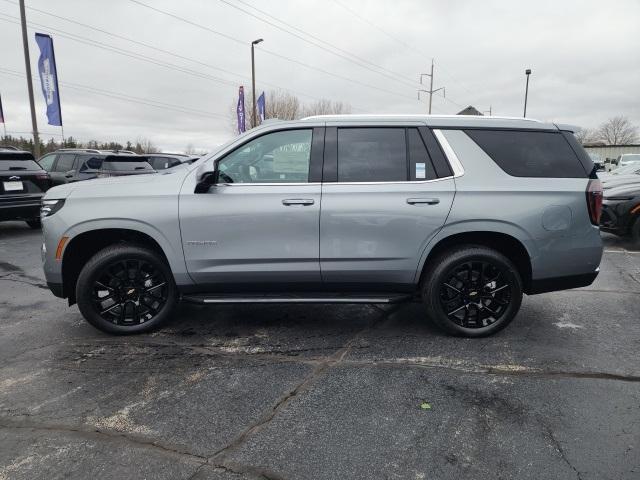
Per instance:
x=399, y=182
x=454, y=161
x=249, y=184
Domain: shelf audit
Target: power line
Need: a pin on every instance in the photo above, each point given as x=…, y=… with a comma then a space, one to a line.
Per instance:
x=298, y=62
x=174, y=54
x=171, y=66
x=124, y=97
x=413, y=48
x=359, y=61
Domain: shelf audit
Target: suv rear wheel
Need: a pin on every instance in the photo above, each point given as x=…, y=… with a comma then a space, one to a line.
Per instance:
x=472, y=291
x=126, y=289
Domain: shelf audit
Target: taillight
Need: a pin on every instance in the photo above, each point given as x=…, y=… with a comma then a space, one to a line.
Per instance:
x=594, y=200
x=42, y=176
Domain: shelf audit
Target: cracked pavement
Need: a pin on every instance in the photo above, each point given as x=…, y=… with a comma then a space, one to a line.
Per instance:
x=323, y=392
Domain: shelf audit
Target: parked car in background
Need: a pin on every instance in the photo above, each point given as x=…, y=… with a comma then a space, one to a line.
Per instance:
x=630, y=169
x=627, y=159
x=74, y=165
x=621, y=212
x=620, y=180
x=163, y=161
x=462, y=213
x=597, y=160
x=22, y=185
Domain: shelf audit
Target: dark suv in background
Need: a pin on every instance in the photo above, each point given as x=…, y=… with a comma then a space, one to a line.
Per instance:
x=74, y=165
x=22, y=185
x=163, y=161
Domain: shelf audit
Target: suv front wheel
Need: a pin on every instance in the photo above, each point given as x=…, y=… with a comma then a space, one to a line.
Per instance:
x=126, y=289
x=472, y=291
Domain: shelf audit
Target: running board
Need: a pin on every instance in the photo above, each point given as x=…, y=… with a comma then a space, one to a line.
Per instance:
x=297, y=298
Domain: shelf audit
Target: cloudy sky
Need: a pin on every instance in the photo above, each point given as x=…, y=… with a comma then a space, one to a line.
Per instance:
x=170, y=73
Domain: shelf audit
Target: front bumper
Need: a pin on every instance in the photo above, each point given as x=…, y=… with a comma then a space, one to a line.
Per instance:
x=56, y=289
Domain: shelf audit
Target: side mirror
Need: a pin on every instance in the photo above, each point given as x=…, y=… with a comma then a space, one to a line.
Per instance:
x=70, y=173
x=206, y=180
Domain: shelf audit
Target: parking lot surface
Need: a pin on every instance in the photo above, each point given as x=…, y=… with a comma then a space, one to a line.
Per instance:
x=322, y=392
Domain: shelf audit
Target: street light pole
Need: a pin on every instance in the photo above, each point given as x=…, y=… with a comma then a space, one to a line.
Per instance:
x=253, y=82
x=527, y=72
x=27, y=64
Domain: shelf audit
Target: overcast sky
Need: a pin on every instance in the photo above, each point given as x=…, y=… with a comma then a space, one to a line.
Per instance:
x=585, y=57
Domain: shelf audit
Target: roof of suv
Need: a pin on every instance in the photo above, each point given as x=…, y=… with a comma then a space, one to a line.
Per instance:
x=92, y=150
x=459, y=121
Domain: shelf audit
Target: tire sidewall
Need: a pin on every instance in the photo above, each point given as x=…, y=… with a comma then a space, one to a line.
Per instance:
x=95, y=266
x=432, y=283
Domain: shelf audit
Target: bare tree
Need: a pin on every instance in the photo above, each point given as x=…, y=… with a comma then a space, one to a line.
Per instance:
x=586, y=135
x=618, y=131
x=190, y=149
x=325, y=107
x=285, y=106
x=282, y=105
x=144, y=145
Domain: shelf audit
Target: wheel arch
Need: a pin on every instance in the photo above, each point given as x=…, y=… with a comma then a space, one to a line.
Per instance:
x=86, y=243
x=518, y=251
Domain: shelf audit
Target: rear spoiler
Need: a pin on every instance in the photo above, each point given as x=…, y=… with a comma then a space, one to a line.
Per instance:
x=568, y=128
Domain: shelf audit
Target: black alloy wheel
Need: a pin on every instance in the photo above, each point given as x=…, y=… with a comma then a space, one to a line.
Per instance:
x=475, y=294
x=126, y=289
x=129, y=292
x=471, y=290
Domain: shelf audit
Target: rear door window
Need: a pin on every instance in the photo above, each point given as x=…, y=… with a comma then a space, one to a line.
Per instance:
x=530, y=153
x=372, y=155
x=64, y=163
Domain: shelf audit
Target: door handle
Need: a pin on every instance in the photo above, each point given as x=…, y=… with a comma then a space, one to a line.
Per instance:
x=428, y=201
x=297, y=201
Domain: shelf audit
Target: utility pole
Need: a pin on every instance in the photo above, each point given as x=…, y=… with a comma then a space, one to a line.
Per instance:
x=527, y=72
x=27, y=64
x=431, y=91
x=253, y=83
x=485, y=111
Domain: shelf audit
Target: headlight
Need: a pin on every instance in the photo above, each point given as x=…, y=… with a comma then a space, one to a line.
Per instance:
x=49, y=207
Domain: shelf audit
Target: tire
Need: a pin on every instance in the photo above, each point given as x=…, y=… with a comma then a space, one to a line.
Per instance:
x=635, y=233
x=126, y=289
x=474, y=306
x=35, y=223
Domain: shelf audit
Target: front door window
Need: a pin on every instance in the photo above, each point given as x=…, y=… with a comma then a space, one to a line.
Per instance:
x=279, y=157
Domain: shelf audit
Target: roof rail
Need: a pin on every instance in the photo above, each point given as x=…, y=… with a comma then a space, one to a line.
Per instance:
x=89, y=150
x=8, y=147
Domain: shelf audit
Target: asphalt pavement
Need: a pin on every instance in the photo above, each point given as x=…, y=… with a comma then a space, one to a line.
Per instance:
x=320, y=392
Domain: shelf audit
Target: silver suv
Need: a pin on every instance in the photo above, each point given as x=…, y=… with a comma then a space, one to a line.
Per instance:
x=462, y=213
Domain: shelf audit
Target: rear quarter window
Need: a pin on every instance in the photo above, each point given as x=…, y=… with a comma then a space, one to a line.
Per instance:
x=530, y=153
x=126, y=164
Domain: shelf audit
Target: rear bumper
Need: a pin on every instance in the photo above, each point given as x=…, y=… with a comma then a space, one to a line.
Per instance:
x=545, y=285
x=19, y=209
